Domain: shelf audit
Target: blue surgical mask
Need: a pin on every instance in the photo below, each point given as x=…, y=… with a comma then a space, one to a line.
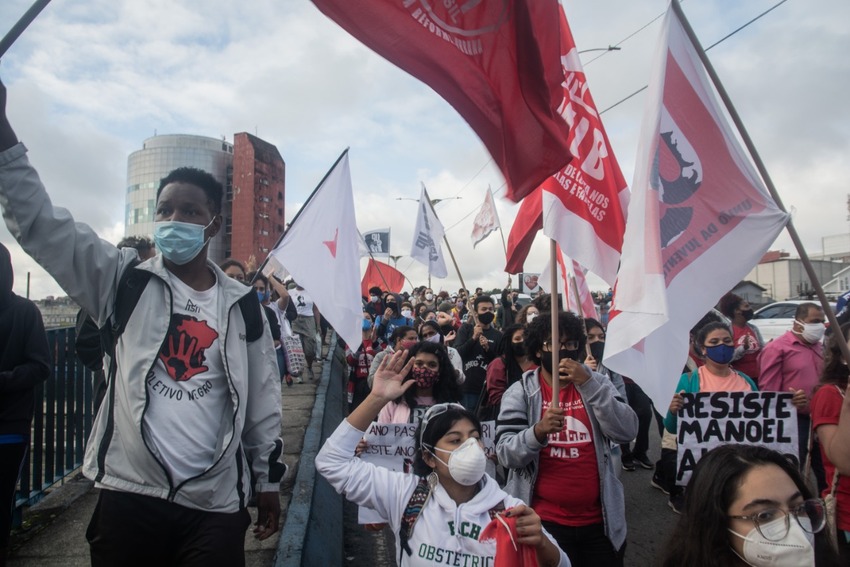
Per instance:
x=721, y=354
x=262, y=295
x=367, y=324
x=179, y=242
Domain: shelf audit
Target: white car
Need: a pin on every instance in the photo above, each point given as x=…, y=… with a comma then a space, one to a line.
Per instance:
x=774, y=319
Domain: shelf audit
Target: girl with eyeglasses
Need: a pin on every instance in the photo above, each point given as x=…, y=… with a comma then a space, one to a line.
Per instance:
x=749, y=505
x=440, y=511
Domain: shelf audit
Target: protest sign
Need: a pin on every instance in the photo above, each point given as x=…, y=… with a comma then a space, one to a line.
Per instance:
x=392, y=446
x=710, y=419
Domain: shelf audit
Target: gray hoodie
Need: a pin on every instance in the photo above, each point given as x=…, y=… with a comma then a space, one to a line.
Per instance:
x=518, y=449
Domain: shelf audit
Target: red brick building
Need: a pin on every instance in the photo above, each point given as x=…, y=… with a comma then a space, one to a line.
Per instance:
x=256, y=191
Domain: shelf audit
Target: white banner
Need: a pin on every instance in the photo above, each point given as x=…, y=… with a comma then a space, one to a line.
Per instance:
x=426, y=238
x=710, y=419
x=392, y=446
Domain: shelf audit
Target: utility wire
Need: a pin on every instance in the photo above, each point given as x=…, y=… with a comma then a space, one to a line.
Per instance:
x=718, y=42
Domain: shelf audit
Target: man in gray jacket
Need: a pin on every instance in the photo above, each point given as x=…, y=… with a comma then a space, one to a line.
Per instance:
x=191, y=414
x=559, y=455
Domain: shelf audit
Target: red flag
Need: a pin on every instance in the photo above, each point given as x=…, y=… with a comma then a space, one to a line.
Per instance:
x=699, y=220
x=372, y=277
x=584, y=203
x=496, y=62
x=529, y=220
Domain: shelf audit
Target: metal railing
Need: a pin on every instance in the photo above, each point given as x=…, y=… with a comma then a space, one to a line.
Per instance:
x=61, y=423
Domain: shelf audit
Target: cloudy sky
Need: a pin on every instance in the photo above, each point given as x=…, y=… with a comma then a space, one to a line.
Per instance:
x=89, y=81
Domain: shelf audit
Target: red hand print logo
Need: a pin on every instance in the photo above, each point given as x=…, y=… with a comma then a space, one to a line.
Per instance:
x=183, y=351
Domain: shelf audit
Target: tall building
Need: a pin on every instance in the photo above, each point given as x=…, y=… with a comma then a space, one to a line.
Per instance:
x=256, y=199
x=250, y=170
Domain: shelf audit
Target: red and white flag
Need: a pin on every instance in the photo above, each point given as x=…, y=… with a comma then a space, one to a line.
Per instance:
x=584, y=203
x=528, y=222
x=700, y=218
x=585, y=298
x=495, y=62
x=321, y=251
x=486, y=221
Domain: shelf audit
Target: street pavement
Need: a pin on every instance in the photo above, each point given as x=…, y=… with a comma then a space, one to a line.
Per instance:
x=53, y=534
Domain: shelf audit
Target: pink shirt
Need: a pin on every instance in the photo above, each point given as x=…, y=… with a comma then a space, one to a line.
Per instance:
x=790, y=362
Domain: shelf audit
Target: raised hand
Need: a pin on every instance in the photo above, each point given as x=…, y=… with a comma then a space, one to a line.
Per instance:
x=389, y=382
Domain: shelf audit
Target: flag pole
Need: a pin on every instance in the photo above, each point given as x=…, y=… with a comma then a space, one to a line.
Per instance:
x=380, y=273
x=739, y=124
x=555, y=342
x=22, y=25
x=446, y=240
x=298, y=214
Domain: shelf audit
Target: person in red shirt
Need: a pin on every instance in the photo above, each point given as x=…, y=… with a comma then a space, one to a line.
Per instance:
x=748, y=339
x=559, y=454
x=826, y=412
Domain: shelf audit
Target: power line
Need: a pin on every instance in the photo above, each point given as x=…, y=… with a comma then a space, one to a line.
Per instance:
x=716, y=43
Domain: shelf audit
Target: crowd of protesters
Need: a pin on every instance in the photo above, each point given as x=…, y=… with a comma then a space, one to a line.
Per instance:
x=442, y=362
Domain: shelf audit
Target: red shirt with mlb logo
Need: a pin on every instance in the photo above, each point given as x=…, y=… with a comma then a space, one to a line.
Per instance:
x=567, y=487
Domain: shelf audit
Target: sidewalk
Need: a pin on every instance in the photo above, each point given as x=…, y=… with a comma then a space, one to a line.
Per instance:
x=53, y=533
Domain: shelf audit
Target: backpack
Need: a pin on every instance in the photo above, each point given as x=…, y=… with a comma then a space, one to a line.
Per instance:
x=130, y=287
x=414, y=507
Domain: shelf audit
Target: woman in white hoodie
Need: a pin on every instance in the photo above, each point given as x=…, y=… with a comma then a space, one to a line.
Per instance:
x=456, y=498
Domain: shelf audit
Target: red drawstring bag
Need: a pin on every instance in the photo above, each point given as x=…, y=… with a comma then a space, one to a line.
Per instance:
x=509, y=553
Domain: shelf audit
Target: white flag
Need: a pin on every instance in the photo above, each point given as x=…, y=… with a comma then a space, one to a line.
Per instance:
x=426, y=238
x=321, y=251
x=377, y=242
x=486, y=221
x=699, y=220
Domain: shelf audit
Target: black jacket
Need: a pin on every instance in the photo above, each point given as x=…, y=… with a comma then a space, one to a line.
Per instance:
x=24, y=355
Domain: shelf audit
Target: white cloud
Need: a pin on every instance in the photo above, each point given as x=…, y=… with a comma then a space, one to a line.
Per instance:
x=88, y=82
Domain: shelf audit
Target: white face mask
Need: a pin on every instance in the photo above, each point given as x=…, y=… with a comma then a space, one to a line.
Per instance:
x=406, y=313
x=797, y=549
x=812, y=332
x=433, y=339
x=530, y=317
x=429, y=296
x=466, y=463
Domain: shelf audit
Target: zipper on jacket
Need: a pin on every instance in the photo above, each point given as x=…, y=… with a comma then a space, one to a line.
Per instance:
x=171, y=489
x=173, y=492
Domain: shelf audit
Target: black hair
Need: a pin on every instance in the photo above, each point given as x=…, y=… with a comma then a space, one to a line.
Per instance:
x=505, y=350
x=803, y=310
x=835, y=371
x=140, y=243
x=701, y=537
x=433, y=325
x=591, y=323
x=729, y=303
x=707, y=329
x=200, y=179
x=446, y=389
x=399, y=332
x=250, y=276
x=229, y=263
x=710, y=317
x=570, y=327
x=482, y=299
x=438, y=426
x=375, y=290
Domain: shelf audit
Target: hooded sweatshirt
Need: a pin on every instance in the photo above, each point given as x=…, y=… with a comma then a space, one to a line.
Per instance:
x=445, y=533
x=24, y=356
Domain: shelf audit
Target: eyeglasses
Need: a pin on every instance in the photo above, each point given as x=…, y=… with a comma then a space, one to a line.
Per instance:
x=810, y=515
x=434, y=411
x=566, y=345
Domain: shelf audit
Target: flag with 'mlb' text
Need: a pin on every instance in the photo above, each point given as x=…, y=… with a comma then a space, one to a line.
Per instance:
x=497, y=62
x=426, y=238
x=584, y=203
x=321, y=251
x=700, y=218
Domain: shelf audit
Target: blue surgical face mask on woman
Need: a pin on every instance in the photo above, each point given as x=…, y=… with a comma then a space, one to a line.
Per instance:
x=179, y=242
x=721, y=354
